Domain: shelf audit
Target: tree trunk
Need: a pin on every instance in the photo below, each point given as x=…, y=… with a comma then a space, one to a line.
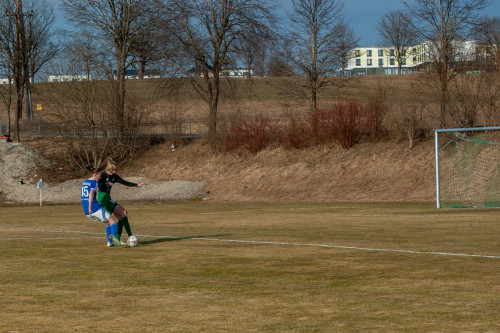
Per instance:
x=27, y=100
x=443, y=101
x=213, y=110
x=140, y=71
x=314, y=94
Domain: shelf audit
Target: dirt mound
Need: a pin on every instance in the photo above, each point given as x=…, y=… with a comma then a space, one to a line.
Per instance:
x=19, y=164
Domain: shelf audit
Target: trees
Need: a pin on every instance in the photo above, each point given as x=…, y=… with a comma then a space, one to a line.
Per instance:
x=488, y=36
x=396, y=30
x=25, y=43
x=444, y=25
x=8, y=50
x=345, y=41
x=113, y=23
x=207, y=35
x=40, y=47
x=314, y=25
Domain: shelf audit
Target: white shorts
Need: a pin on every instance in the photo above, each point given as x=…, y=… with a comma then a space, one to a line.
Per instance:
x=102, y=215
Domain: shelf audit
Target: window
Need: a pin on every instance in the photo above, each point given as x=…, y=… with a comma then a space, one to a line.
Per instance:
x=357, y=53
x=380, y=53
x=403, y=61
x=369, y=62
x=392, y=62
x=381, y=62
x=368, y=53
x=392, y=52
x=358, y=62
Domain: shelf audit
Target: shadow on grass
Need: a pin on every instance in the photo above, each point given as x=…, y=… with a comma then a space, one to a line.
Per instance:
x=172, y=239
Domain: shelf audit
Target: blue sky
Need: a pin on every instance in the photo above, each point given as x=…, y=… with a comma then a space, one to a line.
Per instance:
x=363, y=15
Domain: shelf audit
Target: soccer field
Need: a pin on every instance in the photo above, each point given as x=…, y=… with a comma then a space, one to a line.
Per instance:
x=204, y=267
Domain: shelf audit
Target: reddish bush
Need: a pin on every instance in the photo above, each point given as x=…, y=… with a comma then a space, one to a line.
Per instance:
x=376, y=111
x=250, y=135
x=343, y=122
x=295, y=134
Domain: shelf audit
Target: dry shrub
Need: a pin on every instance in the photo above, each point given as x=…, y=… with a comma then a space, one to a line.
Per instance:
x=295, y=133
x=490, y=100
x=343, y=123
x=464, y=99
x=408, y=117
x=174, y=123
x=250, y=135
x=376, y=109
x=86, y=119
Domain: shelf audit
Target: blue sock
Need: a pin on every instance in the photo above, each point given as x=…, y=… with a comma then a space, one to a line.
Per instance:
x=108, y=233
x=114, y=229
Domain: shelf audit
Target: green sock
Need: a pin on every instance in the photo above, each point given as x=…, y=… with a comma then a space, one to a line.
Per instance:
x=126, y=225
x=120, y=229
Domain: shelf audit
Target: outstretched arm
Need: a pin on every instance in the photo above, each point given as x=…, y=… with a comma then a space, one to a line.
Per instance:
x=127, y=183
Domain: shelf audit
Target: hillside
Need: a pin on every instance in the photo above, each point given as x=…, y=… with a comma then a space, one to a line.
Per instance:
x=378, y=171
x=387, y=171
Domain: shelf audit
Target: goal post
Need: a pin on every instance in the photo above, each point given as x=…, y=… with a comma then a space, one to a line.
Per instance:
x=467, y=167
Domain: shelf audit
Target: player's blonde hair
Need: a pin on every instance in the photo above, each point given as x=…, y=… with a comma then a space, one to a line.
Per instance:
x=110, y=165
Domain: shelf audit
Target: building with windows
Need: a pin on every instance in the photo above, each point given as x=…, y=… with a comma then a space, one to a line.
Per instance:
x=375, y=60
x=380, y=60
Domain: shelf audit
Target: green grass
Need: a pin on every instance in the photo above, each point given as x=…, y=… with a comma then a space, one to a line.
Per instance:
x=253, y=268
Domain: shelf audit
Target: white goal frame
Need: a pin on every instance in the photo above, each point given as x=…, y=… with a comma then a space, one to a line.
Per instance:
x=438, y=149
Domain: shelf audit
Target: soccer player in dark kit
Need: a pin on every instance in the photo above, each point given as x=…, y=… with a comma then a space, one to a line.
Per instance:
x=107, y=180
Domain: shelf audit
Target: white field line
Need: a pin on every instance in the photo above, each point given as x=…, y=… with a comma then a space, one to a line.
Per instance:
x=268, y=243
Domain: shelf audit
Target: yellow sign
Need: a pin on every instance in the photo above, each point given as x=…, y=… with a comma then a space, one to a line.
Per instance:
x=39, y=107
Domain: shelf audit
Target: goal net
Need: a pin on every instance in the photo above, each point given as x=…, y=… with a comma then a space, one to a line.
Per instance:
x=468, y=167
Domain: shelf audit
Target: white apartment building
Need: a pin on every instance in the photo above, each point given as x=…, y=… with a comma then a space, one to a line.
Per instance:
x=379, y=60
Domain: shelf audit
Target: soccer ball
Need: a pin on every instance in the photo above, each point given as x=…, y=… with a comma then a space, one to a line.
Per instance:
x=132, y=241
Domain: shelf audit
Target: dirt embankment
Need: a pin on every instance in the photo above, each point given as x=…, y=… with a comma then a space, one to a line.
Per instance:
x=385, y=171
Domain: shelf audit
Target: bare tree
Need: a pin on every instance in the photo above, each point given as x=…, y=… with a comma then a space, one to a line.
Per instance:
x=40, y=47
x=279, y=64
x=346, y=41
x=114, y=23
x=205, y=34
x=144, y=45
x=25, y=30
x=6, y=91
x=252, y=49
x=7, y=52
x=314, y=25
x=14, y=47
x=444, y=25
x=396, y=30
x=488, y=36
